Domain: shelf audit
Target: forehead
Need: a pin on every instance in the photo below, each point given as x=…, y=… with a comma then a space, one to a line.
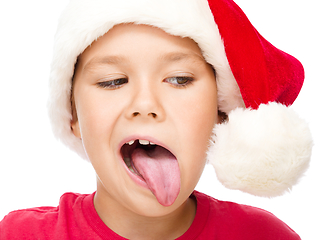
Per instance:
x=125, y=40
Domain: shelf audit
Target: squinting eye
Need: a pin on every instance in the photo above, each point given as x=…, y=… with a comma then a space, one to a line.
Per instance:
x=112, y=84
x=179, y=81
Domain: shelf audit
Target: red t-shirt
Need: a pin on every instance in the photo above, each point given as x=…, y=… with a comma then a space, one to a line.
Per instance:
x=76, y=218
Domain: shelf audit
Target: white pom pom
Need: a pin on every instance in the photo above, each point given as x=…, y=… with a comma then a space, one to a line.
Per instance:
x=263, y=152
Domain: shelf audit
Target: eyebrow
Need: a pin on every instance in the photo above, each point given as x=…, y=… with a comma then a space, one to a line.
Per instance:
x=180, y=56
x=107, y=60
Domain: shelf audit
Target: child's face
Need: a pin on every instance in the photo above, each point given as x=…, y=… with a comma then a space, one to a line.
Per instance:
x=138, y=82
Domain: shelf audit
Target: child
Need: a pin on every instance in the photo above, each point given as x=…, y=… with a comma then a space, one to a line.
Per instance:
x=137, y=87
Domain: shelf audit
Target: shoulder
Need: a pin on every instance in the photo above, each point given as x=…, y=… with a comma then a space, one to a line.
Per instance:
x=33, y=221
x=239, y=221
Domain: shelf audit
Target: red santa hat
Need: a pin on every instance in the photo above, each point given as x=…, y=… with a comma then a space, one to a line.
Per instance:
x=264, y=147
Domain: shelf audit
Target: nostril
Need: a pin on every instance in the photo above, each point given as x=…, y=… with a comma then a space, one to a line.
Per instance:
x=154, y=115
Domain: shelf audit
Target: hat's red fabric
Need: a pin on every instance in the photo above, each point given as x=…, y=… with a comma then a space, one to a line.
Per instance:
x=263, y=72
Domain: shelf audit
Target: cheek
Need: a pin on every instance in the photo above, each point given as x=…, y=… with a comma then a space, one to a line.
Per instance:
x=198, y=116
x=97, y=116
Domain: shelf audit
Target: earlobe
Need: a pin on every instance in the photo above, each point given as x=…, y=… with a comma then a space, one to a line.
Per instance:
x=74, y=125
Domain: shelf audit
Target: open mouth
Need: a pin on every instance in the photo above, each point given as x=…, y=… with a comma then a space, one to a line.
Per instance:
x=156, y=165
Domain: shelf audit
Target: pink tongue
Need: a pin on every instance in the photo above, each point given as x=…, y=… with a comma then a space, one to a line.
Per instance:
x=160, y=170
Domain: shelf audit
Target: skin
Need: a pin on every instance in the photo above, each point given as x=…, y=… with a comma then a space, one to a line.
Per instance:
x=166, y=94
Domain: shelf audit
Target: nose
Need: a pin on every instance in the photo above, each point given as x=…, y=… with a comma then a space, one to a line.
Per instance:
x=145, y=103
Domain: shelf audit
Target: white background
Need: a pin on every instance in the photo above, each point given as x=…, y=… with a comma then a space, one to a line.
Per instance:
x=36, y=169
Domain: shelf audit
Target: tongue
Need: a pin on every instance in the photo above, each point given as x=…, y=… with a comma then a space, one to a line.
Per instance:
x=160, y=170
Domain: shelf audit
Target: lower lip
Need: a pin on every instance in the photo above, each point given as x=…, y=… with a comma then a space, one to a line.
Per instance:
x=134, y=177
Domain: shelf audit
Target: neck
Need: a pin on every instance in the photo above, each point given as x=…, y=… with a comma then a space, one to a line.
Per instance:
x=131, y=225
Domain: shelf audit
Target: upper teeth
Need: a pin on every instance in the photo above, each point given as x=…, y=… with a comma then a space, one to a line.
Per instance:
x=142, y=142
x=131, y=142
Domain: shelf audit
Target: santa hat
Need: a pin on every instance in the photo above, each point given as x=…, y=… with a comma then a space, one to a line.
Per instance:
x=264, y=147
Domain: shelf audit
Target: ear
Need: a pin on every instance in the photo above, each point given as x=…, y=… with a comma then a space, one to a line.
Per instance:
x=222, y=117
x=74, y=125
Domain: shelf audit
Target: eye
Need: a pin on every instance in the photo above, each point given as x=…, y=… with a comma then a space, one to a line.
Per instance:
x=113, y=84
x=181, y=81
